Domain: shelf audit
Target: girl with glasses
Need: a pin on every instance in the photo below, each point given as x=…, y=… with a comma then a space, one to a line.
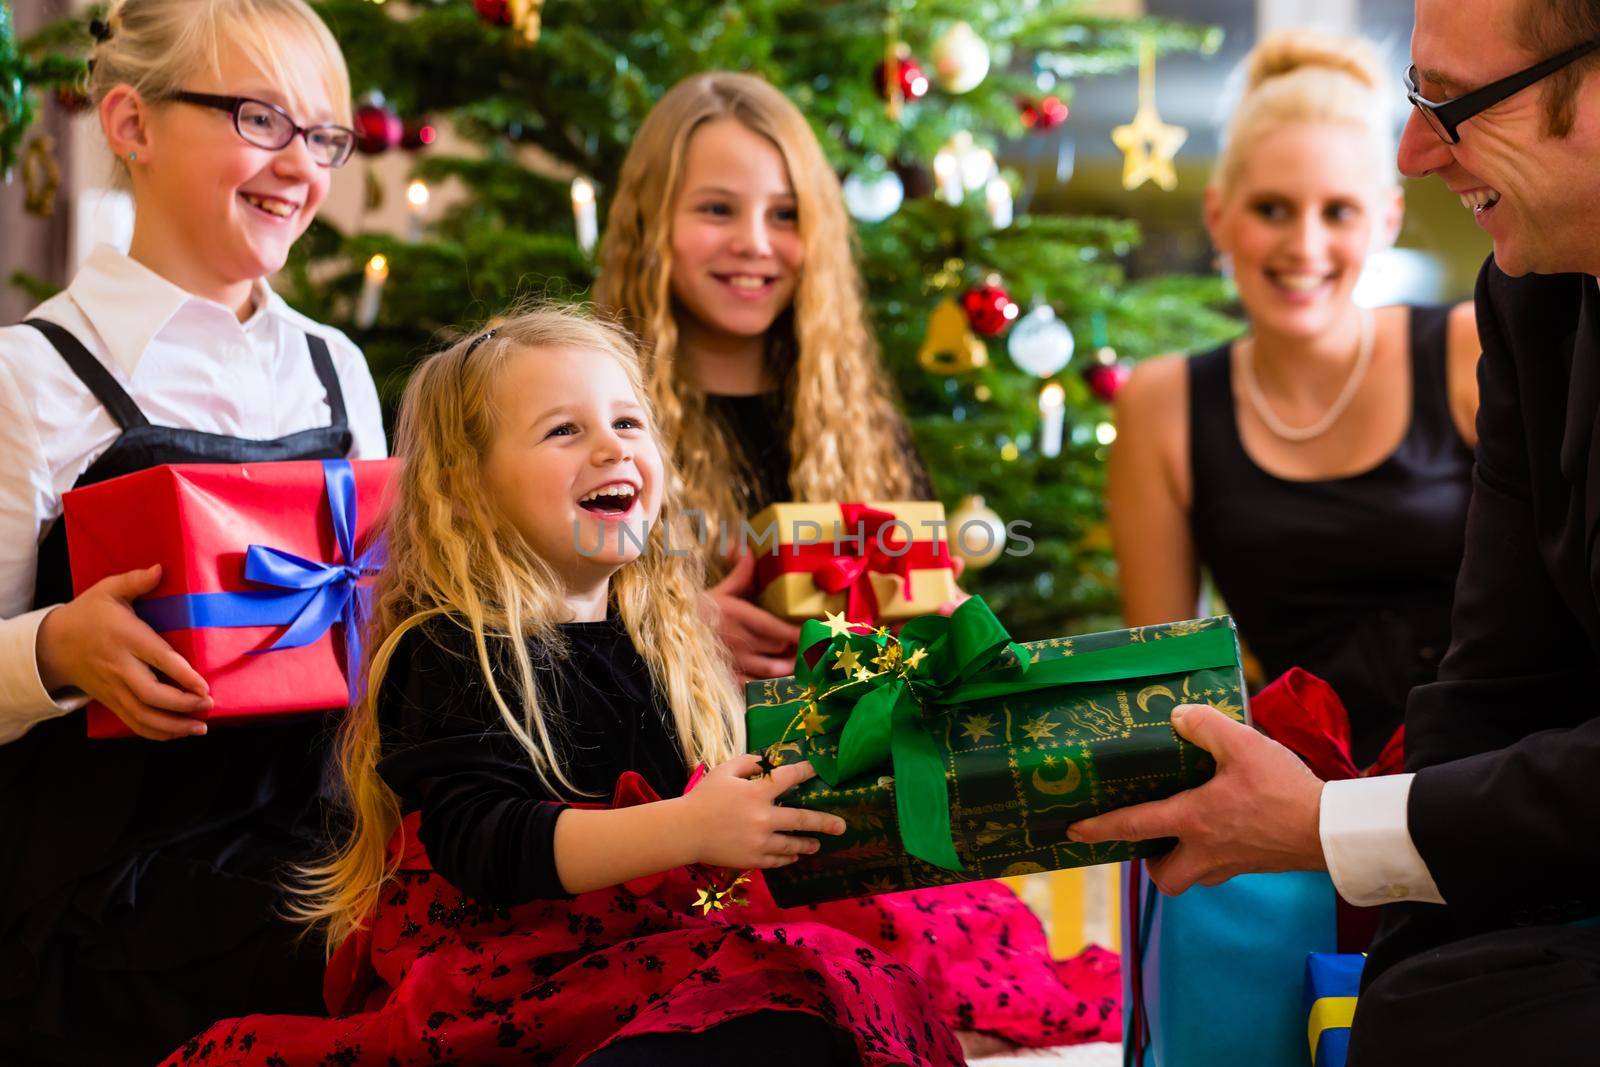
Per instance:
x=1319, y=467
x=140, y=896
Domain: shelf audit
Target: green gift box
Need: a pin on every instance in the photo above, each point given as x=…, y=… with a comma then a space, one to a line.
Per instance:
x=953, y=753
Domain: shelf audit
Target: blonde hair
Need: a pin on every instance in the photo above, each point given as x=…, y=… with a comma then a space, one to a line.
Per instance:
x=453, y=559
x=155, y=46
x=1300, y=75
x=822, y=350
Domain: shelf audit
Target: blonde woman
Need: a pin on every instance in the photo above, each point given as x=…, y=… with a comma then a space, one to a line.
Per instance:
x=538, y=652
x=1319, y=467
x=729, y=251
x=141, y=876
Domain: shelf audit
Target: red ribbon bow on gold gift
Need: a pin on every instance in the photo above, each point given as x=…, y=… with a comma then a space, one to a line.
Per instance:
x=868, y=545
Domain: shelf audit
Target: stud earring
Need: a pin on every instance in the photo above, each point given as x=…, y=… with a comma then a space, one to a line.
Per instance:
x=132, y=156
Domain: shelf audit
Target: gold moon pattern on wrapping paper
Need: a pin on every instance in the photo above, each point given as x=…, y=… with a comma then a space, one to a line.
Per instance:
x=784, y=752
x=1154, y=691
x=1021, y=868
x=1061, y=786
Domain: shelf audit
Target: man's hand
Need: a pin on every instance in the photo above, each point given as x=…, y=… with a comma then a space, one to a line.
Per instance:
x=1260, y=812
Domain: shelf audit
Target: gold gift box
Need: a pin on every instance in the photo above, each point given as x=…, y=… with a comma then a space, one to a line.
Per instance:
x=794, y=595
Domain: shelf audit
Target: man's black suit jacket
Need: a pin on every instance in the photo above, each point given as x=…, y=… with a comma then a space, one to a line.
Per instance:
x=1505, y=808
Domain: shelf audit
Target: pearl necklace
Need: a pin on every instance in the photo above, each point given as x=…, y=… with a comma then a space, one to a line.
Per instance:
x=1263, y=410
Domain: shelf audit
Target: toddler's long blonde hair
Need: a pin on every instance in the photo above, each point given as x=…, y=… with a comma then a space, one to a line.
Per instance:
x=454, y=559
x=847, y=433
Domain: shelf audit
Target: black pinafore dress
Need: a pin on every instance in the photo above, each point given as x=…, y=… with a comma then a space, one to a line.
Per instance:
x=140, y=881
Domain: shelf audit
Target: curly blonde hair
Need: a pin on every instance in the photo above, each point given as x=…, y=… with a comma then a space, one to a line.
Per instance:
x=822, y=350
x=452, y=557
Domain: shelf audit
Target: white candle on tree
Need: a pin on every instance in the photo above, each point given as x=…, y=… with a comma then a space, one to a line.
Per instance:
x=1052, y=418
x=997, y=199
x=371, y=291
x=584, y=215
x=947, y=176
x=417, y=197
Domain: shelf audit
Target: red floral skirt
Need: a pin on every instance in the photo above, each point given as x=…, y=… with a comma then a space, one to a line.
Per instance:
x=436, y=977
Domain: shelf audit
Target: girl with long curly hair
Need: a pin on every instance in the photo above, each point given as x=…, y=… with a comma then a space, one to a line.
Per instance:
x=729, y=251
x=511, y=888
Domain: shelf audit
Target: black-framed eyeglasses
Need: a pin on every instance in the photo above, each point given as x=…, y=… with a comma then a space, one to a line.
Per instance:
x=1446, y=116
x=269, y=126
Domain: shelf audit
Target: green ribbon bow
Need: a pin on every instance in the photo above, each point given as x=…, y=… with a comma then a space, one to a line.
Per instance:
x=892, y=715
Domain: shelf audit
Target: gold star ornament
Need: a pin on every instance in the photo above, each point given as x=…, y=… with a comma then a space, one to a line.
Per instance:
x=1148, y=145
x=914, y=660
x=813, y=722
x=838, y=625
x=847, y=660
x=714, y=899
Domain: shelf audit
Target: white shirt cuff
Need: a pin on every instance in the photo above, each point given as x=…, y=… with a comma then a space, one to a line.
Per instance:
x=1367, y=842
x=23, y=697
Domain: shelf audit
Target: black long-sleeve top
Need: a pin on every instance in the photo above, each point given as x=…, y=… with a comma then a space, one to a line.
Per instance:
x=758, y=429
x=487, y=821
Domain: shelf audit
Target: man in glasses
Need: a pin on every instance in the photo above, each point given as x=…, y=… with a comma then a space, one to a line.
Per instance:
x=1489, y=852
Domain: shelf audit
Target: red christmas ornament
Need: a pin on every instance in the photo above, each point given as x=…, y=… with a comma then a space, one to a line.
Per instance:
x=912, y=81
x=377, y=128
x=1106, y=375
x=418, y=134
x=989, y=308
x=72, y=102
x=1044, y=114
x=494, y=12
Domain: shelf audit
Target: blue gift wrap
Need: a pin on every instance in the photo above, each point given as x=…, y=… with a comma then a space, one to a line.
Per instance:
x=1218, y=975
x=1332, y=981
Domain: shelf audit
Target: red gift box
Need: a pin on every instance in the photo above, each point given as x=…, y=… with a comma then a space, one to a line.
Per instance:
x=261, y=572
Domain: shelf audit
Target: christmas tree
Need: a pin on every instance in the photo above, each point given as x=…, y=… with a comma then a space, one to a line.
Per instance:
x=976, y=304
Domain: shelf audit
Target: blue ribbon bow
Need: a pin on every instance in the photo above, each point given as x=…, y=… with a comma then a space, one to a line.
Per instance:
x=307, y=596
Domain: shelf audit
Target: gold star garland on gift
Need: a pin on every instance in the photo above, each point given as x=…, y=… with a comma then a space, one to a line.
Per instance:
x=838, y=625
x=1147, y=143
x=720, y=899
x=891, y=658
x=812, y=721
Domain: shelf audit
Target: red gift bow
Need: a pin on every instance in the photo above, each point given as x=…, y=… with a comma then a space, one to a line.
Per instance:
x=1303, y=714
x=850, y=569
